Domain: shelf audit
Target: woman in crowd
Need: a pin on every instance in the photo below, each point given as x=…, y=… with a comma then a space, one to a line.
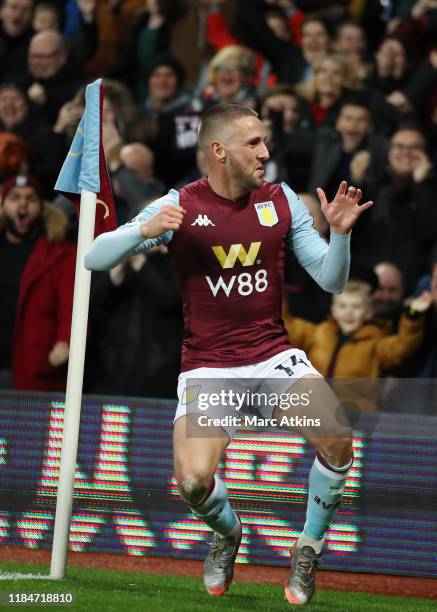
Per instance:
x=229, y=78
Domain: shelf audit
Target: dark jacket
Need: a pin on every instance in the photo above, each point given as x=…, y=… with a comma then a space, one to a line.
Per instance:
x=13, y=54
x=136, y=331
x=328, y=154
x=400, y=227
x=59, y=88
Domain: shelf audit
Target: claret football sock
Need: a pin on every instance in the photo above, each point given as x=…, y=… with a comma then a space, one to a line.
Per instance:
x=326, y=484
x=215, y=510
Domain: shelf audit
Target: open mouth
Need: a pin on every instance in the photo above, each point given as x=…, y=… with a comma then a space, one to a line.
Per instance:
x=23, y=219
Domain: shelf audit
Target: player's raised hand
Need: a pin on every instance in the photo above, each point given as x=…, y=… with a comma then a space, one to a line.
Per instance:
x=344, y=210
x=169, y=217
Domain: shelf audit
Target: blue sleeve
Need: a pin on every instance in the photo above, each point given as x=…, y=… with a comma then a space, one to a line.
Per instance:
x=328, y=264
x=109, y=249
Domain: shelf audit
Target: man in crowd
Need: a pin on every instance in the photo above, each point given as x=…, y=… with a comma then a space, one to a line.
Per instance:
x=401, y=226
x=15, y=34
x=36, y=289
x=388, y=297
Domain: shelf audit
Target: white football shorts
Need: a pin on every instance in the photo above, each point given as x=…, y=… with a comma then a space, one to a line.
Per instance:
x=225, y=392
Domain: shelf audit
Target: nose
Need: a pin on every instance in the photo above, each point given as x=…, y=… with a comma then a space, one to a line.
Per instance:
x=263, y=152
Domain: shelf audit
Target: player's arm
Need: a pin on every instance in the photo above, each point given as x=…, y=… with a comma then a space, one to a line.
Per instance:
x=154, y=225
x=328, y=264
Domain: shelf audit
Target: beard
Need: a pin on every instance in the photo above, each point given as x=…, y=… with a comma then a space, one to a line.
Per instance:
x=34, y=230
x=246, y=180
x=387, y=310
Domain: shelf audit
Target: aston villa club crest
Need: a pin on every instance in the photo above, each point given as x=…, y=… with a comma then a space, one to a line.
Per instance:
x=266, y=212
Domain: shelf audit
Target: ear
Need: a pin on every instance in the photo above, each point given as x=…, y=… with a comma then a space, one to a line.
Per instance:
x=218, y=151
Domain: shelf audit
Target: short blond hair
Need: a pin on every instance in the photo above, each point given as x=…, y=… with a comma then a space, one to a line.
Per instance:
x=217, y=119
x=356, y=287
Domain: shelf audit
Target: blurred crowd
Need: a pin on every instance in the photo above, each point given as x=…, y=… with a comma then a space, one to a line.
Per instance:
x=347, y=90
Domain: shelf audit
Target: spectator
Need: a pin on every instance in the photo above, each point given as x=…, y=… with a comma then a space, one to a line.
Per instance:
x=149, y=35
x=316, y=43
x=388, y=297
x=172, y=123
x=388, y=304
x=349, y=344
x=349, y=151
x=165, y=82
x=333, y=78
x=131, y=168
x=47, y=16
x=51, y=80
x=19, y=116
x=392, y=69
x=36, y=288
x=136, y=320
x=289, y=136
x=350, y=41
x=15, y=34
x=229, y=78
x=401, y=224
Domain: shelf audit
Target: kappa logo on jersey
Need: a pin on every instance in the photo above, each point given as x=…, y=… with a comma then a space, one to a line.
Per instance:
x=267, y=214
x=237, y=251
x=202, y=221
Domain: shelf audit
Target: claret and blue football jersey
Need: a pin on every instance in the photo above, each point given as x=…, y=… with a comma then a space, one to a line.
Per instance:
x=229, y=257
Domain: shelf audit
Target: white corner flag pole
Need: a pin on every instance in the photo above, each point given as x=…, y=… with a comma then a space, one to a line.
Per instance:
x=73, y=397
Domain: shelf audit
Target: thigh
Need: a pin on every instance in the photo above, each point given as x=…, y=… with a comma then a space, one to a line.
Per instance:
x=197, y=454
x=313, y=409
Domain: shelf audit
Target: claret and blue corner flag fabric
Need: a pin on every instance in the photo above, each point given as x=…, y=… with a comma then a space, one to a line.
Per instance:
x=85, y=165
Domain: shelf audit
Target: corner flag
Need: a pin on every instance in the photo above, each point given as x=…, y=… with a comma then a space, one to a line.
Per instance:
x=85, y=166
x=84, y=175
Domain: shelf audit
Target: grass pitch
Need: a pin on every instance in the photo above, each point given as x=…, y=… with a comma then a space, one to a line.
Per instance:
x=108, y=590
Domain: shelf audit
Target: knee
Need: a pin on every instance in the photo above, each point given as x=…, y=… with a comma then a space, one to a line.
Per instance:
x=336, y=451
x=193, y=486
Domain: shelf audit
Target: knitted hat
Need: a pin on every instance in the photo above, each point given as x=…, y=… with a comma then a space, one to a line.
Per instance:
x=22, y=180
x=166, y=59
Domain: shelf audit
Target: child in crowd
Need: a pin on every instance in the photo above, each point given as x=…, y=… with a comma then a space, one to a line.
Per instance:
x=351, y=345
